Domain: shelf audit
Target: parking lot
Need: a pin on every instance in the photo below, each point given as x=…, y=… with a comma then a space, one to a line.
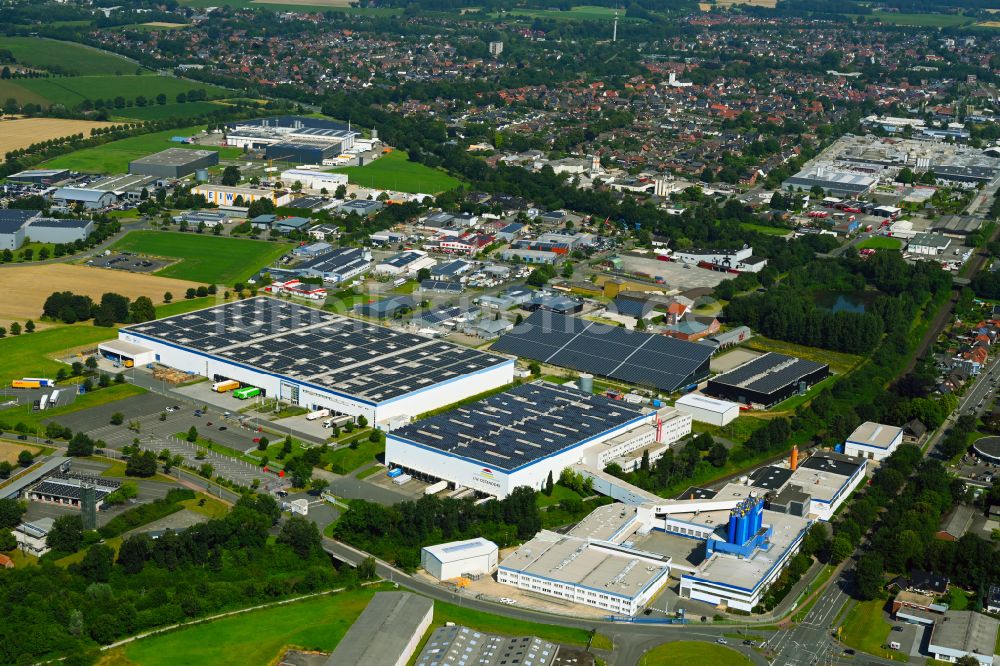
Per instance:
x=127, y=261
x=675, y=275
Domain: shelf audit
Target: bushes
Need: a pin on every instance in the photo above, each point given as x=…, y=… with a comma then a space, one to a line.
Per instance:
x=146, y=513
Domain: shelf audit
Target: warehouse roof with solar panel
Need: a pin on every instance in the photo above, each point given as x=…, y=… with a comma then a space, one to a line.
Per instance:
x=633, y=357
x=318, y=350
x=767, y=379
x=517, y=427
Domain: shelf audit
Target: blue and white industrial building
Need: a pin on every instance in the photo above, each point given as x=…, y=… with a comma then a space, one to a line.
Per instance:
x=320, y=360
x=473, y=557
x=521, y=436
x=874, y=441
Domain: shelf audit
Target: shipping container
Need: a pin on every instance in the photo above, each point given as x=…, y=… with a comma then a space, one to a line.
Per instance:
x=402, y=479
x=244, y=393
x=318, y=414
x=394, y=472
x=24, y=384
x=227, y=385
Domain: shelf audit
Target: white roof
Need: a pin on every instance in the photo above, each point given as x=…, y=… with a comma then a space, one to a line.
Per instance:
x=455, y=551
x=875, y=434
x=704, y=402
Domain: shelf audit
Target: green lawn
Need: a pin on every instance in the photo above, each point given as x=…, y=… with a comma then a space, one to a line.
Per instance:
x=25, y=414
x=578, y=13
x=114, y=157
x=26, y=355
x=683, y=653
x=880, y=243
x=866, y=629
x=839, y=362
x=444, y=612
x=70, y=91
x=10, y=89
x=256, y=637
x=73, y=58
x=158, y=112
x=183, y=305
x=395, y=172
x=764, y=229
x=207, y=259
x=346, y=460
x=559, y=493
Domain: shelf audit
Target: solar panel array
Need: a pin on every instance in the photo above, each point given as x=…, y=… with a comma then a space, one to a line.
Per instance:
x=630, y=356
x=519, y=426
x=308, y=345
x=768, y=373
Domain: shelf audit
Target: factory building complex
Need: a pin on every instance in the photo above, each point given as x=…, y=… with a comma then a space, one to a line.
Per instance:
x=315, y=359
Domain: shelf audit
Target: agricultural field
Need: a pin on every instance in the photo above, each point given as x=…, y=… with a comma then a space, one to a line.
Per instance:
x=114, y=157
x=157, y=25
x=65, y=57
x=578, y=13
x=682, y=653
x=725, y=4
x=70, y=91
x=10, y=90
x=27, y=355
x=880, y=243
x=23, y=132
x=204, y=259
x=307, y=3
x=26, y=287
x=988, y=24
x=394, y=171
x=158, y=112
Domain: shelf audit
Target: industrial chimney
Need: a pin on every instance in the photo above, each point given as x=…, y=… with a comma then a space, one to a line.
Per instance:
x=795, y=457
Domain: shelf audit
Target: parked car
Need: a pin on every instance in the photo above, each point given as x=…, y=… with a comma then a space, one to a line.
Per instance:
x=722, y=641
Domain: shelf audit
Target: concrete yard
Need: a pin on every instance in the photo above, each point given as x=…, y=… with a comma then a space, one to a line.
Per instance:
x=731, y=359
x=676, y=276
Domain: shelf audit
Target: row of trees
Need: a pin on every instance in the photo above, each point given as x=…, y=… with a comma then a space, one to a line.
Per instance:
x=69, y=308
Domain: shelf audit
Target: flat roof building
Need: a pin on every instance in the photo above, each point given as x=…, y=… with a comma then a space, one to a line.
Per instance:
x=223, y=195
x=874, y=441
x=13, y=223
x=459, y=558
x=320, y=360
x=517, y=437
x=174, y=162
x=964, y=633
x=928, y=244
x=39, y=176
x=338, y=265
x=460, y=646
x=833, y=181
x=767, y=379
x=708, y=410
x=51, y=230
x=387, y=633
x=314, y=180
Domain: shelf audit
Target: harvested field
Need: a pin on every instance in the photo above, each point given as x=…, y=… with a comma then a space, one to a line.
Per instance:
x=25, y=288
x=706, y=6
x=23, y=132
x=9, y=451
x=988, y=24
x=164, y=24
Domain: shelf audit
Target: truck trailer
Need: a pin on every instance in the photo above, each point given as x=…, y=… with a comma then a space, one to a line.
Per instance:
x=318, y=414
x=227, y=385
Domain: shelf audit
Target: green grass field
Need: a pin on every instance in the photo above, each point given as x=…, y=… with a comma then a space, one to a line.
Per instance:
x=578, y=13
x=922, y=20
x=840, y=362
x=183, y=305
x=73, y=58
x=395, y=172
x=26, y=355
x=880, y=243
x=9, y=89
x=346, y=460
x=764, y=229
x=256, y=637
x=114, y=157
x=207, y=259
x=70, y=91
x=682, y=653
x=157, y=112
x=866, y=629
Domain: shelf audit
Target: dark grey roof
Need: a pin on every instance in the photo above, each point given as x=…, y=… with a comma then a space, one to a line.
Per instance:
x=832, y=462
x=54, y=223
x=515, y=428
x=350, y=356
x=609, y=351
x=768, y=373
x=770, y=477
x=12, y=219
x=340, y=260
x=384, y=630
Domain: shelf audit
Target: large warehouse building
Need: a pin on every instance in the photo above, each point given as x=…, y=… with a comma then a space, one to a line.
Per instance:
x=767, y=379
x=708, y=410
x=874, y=441
x=518, y=437
x=655, y=361
x=314, y=180
x=833, y=181
x=173, y=162
x=320, y=360
x=297, y=139
x=471, y=557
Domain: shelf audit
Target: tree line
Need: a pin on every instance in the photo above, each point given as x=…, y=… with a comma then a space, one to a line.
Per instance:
x=69, y=308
